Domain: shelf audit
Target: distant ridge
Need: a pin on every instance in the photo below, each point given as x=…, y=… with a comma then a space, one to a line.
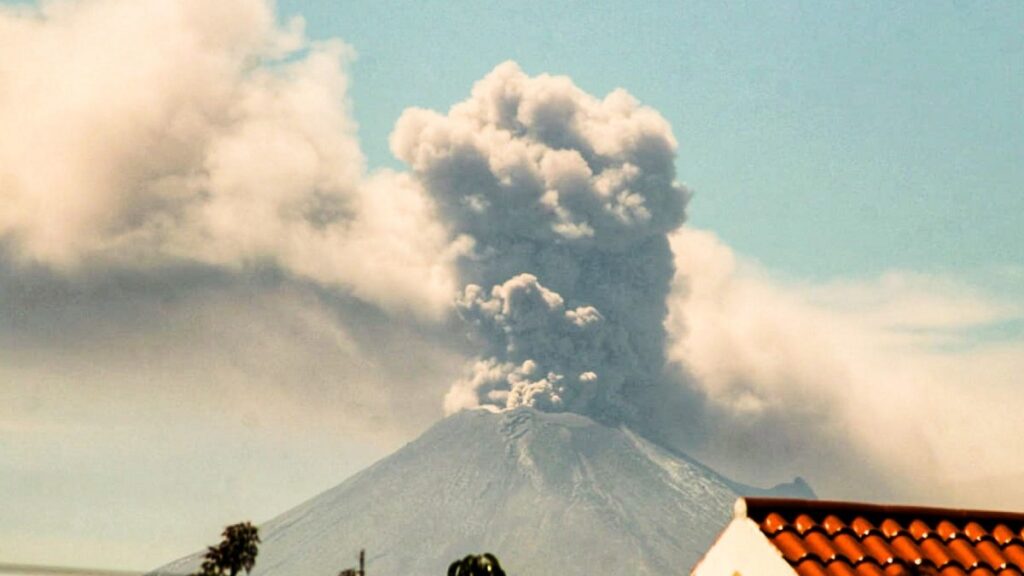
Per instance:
x=61, y=570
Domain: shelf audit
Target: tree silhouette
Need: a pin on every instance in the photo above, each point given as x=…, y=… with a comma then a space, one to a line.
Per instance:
x=476, y=565
x=236, y=552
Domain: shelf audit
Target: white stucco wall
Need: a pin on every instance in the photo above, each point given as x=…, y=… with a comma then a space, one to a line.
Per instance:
x=742, y=550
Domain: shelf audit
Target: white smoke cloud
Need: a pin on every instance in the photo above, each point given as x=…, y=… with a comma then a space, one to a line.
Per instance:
x=871, y=388
x=567, y=200
x=161, y=131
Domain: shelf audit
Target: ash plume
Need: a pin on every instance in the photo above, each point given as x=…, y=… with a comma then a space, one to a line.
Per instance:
x=567, y=201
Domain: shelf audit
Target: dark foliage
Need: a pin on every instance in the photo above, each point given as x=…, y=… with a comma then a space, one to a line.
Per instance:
x=236, y=552
x=476, y=565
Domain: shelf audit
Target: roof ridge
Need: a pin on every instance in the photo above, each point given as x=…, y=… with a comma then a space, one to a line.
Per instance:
x=758, y=507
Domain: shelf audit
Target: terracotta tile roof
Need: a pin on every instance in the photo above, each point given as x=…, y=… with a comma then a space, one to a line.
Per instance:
x=821, y=538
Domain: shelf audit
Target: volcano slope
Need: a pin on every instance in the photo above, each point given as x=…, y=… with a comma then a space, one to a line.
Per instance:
x=547, y=493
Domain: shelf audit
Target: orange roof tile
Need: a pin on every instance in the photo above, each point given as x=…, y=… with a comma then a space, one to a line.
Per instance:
x=822, y=538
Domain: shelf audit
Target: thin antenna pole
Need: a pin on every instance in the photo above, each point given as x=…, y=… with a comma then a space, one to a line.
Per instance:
x=362, y=563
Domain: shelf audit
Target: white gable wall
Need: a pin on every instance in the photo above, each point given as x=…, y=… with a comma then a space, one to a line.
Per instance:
x=743, y=550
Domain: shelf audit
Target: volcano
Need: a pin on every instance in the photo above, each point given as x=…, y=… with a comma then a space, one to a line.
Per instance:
x=547, y=493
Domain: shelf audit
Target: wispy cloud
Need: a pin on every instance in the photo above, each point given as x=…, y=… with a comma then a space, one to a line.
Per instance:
x=143, y=134
x=859, y=384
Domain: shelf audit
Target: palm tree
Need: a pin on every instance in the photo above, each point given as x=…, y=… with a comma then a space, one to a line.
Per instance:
x=236, y=552
x=476, y=565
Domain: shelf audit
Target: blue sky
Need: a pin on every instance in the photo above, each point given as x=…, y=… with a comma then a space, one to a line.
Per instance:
x=856, y=247
x=822, y=138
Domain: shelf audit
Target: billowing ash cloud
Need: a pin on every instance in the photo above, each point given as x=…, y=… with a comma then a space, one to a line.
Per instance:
x=568, y=201
x=224, y=139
